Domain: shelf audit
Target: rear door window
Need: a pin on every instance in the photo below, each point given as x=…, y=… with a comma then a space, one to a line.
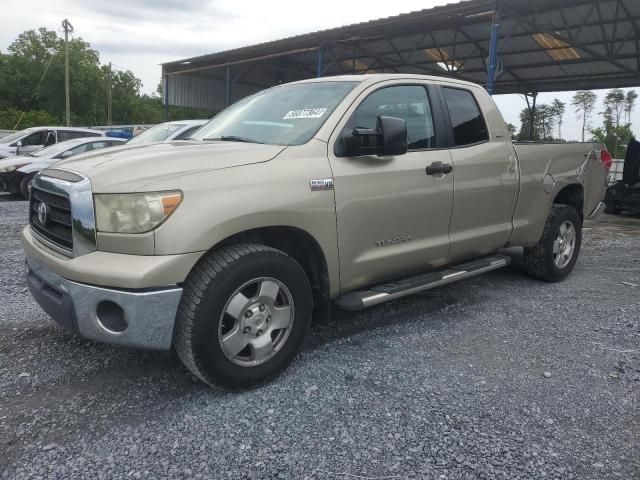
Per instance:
x=467, y=121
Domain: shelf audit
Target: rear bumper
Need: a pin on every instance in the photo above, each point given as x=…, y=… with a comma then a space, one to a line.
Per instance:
x=135, y=318
x=597, y=211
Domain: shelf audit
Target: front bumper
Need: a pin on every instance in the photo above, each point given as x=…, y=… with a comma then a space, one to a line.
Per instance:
x=136, y=318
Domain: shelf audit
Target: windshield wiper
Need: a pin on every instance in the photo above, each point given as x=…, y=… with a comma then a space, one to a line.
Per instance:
x=233, y=138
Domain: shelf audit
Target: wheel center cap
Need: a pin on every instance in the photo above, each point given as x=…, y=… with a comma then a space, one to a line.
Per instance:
x=258, y=320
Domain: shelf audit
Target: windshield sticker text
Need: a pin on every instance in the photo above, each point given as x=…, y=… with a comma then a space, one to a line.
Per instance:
x=305, y=113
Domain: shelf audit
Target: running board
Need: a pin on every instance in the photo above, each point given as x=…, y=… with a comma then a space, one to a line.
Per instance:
x=390, y=291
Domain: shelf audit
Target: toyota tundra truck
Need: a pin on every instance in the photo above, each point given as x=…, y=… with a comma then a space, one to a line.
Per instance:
x=349, y=190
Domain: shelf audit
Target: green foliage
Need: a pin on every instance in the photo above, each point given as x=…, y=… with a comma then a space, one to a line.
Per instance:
x=546, y=118
x=32, y=80
x=613, y=133
x=616, y=138
x=615, y=103
x=9, y=119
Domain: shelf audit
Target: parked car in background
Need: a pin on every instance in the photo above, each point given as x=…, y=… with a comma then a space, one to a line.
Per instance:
x=167, y=132
x=17, y=172
x=624, y=194
x=32, y=139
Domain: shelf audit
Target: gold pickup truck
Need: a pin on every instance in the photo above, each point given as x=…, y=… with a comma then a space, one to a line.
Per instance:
x=355, y=190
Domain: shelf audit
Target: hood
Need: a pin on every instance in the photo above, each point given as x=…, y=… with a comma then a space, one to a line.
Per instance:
x=11, y=163
x=129, y=168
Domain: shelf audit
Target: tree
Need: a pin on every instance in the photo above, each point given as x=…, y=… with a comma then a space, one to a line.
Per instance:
x=511, y=128
x=32, y=81
x=630, y=102
x=558, y=108
x=10, y=117
x=615, y=138
x=544, y=122
x=615, y=102
x=584, y=101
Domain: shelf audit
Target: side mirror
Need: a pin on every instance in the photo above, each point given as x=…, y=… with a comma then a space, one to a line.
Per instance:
x=19, y=144
x=18, y=147
x=387, y=139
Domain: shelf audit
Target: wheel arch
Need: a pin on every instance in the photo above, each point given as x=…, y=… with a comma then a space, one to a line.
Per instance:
x=573, y=195
x=298, y=244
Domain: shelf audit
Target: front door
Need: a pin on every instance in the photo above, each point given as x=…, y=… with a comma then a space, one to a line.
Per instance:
x=32, y=142
x=393, y=218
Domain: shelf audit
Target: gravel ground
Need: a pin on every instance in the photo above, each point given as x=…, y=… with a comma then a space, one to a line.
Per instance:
x=495, y=377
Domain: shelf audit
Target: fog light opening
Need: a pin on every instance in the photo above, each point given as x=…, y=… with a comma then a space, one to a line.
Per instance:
x=111, y=317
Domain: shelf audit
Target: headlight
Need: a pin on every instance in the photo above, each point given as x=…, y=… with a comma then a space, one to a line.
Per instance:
x=134, y=212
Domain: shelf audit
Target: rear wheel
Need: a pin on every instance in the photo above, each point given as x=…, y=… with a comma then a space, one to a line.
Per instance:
x=243, y=315
x=555, y=255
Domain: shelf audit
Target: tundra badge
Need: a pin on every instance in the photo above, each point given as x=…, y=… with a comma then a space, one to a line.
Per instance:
x=322, y=184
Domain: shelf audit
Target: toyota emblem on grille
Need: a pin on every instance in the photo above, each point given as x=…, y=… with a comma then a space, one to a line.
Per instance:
x=43, y=213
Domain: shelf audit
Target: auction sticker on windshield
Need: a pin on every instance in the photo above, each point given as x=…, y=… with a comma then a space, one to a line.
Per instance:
x=305, y=113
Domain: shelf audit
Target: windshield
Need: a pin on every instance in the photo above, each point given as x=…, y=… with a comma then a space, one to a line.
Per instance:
x=157, y=133
x=15, y=136
x=53, y=150
x=287, y=115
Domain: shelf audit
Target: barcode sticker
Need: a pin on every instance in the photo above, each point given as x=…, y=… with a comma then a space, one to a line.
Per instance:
x=305, y=113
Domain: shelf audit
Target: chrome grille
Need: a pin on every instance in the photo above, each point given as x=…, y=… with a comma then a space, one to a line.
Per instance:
x=57, y=221
x=61, y=213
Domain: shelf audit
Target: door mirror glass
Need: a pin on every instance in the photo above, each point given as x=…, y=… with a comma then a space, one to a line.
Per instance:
x=387, y=139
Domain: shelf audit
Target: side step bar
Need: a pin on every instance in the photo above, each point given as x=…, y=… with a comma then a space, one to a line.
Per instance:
x=390, y=291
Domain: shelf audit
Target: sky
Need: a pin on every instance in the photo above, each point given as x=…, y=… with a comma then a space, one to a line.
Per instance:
x=139, y=35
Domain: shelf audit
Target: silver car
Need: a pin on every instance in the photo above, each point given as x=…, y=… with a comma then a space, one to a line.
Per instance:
x=17, y=172
x=167, y=132
x=32, y=139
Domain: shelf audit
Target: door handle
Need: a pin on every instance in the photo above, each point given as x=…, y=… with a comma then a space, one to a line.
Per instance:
x=438, y=167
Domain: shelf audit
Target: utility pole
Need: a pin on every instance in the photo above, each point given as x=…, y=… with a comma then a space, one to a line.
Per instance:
x=68, y=28
x=109, y=96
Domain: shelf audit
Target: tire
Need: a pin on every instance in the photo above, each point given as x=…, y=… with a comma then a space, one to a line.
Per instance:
x=541, y=262
x=24, y=185
x=610, y=204
x=231, y=279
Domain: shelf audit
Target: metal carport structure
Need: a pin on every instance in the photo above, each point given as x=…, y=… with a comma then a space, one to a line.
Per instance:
x=539, y=45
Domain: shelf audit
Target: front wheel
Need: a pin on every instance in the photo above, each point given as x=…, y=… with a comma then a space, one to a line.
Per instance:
x=24, y=185
x=555, y=255
x=243, y=315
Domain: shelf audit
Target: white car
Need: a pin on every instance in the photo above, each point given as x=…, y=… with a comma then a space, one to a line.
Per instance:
x=17, y=172
x=167, y=132
x=32, y=139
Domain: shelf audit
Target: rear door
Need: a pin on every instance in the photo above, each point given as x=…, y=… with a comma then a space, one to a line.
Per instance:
x=393, y=218
x=485, y=175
